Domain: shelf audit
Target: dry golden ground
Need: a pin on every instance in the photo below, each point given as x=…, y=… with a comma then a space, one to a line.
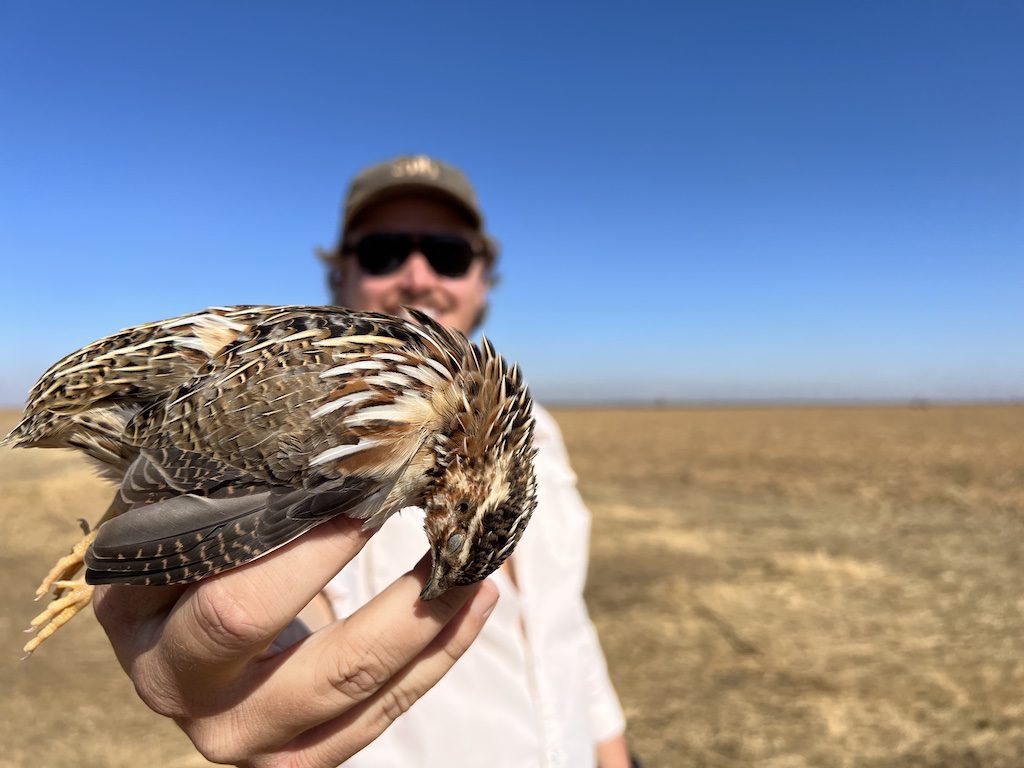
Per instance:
x=779, y=587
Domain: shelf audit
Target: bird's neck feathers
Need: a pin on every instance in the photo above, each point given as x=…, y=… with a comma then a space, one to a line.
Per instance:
x=488, y=409
x=481, y=407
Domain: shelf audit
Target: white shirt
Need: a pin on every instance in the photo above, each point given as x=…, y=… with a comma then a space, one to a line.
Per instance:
x=533, y=689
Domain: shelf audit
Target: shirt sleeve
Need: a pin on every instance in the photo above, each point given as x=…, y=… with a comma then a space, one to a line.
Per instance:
x=606, y=717
x=560, y=492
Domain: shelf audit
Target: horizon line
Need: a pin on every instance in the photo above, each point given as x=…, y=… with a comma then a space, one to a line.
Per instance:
x=755, y=402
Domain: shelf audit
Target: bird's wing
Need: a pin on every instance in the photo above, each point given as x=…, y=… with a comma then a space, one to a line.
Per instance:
x=162, y=473
x=192, y=518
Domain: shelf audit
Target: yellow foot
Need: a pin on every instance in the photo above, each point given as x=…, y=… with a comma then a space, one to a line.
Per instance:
x=60, y=611
x=66, y=567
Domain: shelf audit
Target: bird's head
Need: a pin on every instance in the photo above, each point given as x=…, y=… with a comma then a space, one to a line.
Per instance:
x=484, y=487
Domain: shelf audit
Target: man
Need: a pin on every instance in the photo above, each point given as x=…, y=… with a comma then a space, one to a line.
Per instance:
x=531, y=691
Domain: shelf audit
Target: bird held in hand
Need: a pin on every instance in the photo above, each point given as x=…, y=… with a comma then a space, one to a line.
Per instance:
x=232, y=431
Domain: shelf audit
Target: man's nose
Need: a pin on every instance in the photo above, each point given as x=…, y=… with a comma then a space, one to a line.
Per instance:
x=417, y=274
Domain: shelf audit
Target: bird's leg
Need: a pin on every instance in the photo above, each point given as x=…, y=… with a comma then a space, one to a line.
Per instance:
x=67, y=566
x=64, y=606
x=61, y=579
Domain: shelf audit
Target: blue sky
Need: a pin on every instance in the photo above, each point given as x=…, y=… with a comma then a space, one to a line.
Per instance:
x=716, y=200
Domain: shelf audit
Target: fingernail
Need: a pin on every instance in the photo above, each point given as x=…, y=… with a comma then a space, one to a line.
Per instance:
x=483, y=601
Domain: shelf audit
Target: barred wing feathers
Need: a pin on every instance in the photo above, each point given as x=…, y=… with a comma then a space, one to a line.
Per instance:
x=191, y=536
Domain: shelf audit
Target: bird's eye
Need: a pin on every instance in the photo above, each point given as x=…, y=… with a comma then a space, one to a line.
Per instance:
x=462, y=507
x=455, y=541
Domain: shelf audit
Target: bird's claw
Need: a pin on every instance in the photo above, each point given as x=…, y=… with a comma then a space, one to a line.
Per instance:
x=59, y=612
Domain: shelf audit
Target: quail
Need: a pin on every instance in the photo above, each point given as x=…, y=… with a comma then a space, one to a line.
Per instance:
x=234, y=430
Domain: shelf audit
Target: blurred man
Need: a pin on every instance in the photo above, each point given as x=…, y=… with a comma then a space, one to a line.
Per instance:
x=532, y=690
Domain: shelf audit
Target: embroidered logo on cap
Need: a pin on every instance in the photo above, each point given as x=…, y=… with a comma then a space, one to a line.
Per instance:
x=420, y=165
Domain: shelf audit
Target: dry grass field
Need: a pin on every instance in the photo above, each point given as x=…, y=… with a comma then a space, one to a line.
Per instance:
x=777, y=587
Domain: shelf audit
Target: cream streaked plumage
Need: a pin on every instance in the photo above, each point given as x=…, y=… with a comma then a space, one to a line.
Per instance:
x=234, y=430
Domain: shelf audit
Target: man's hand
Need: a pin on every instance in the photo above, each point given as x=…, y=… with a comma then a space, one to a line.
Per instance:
x=204, y=654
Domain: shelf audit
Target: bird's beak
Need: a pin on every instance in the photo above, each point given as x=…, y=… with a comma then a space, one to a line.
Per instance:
x=437, y=583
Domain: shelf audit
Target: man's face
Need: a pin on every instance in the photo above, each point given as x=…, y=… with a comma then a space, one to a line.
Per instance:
x=454, y=302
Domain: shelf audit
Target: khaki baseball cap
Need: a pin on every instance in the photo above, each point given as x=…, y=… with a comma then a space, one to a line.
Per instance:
x=406, y=173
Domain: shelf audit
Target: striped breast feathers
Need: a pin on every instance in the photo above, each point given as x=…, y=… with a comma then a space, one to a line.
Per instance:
x=385, y=402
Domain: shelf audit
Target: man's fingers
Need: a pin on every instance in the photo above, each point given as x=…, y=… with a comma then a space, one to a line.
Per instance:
x=337, y=740
x=223, y=622
x=131, y=615
x=348, y=662
x=202, y=663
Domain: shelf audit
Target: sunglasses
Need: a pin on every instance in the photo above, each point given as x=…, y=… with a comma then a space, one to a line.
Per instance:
x=384, y=253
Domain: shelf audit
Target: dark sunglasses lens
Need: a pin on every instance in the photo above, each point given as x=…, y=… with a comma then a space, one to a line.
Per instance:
x=382, y=254
x=448, y=256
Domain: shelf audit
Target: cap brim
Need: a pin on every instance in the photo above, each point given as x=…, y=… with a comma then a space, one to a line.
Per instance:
x=397, y=190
